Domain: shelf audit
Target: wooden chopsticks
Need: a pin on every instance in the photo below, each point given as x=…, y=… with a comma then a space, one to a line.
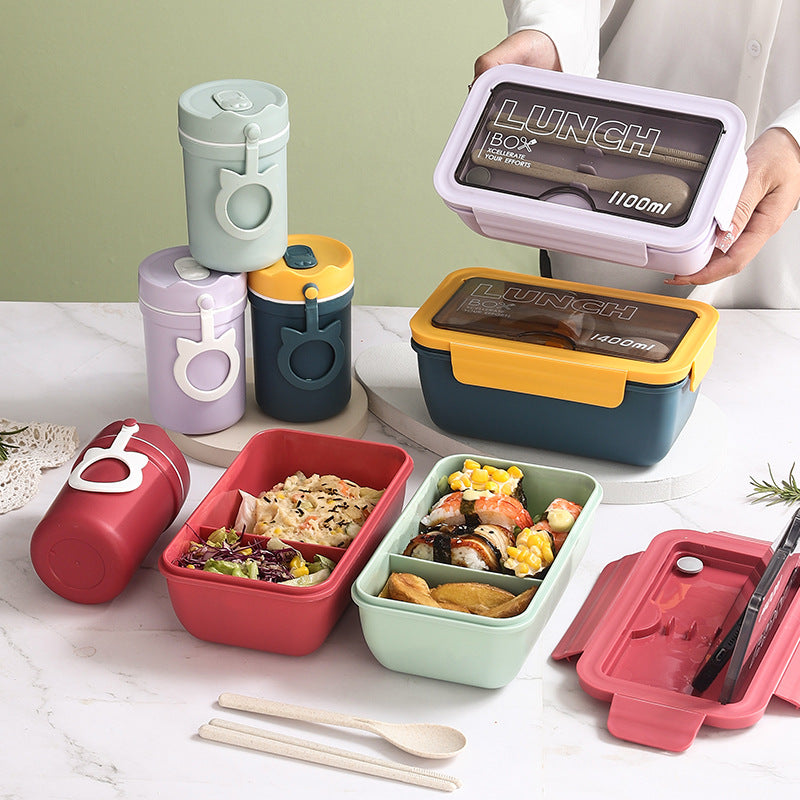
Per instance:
x=265, y=741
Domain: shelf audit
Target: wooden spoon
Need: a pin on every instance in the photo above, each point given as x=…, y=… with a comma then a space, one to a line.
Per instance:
x=427, y=740
x=652, y=194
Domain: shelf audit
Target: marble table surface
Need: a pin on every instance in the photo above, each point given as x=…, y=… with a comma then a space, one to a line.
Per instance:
x=105, y=701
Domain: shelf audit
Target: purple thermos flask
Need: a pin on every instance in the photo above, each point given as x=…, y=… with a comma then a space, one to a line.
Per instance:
x=194, y=342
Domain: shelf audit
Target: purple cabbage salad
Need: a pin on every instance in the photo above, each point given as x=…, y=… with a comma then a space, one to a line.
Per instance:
x=271, y=560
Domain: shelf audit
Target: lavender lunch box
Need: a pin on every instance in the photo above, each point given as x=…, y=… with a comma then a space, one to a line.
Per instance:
x=617, y=172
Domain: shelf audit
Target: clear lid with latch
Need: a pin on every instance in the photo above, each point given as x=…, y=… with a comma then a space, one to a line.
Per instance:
x=611, y=157
x=532, y=312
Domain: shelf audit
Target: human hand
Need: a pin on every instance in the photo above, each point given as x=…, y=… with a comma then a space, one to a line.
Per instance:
x=529, y=48
x=770, y=194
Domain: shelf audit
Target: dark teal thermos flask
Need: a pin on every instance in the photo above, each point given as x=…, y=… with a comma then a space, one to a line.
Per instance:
x=300, y=311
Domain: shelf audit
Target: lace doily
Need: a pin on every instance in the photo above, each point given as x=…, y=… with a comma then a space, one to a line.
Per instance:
x=40, y=446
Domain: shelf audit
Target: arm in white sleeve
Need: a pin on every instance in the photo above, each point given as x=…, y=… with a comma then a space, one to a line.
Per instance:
x=790, y=120
x=573, y=25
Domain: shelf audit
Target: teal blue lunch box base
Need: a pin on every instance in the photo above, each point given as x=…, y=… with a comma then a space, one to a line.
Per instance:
x=640, y=431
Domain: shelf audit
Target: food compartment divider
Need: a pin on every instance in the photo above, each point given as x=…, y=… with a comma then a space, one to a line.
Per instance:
x=435, y=573
x=218, y=511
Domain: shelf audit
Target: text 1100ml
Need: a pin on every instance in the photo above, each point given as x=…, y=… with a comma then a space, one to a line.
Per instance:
x=634, y=201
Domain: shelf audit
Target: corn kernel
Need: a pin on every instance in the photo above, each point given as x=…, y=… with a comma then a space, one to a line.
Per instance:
x=487, y=478
x=515, y=472
x=532, y=552
x=298, y=567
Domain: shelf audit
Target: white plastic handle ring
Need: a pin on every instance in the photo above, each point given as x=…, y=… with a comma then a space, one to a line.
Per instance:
x=188, y=349
x=135, y=462
x=231, y=182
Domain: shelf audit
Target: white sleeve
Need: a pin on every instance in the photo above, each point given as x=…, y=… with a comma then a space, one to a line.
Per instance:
x=790, y=120
x=573, y=25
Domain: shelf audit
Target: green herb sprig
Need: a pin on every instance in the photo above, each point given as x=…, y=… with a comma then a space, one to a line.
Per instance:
x=772, y=492
x=6, y=446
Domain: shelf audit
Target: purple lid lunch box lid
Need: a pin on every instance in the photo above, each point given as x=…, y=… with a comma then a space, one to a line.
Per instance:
x=171, y=281
x=593, y=167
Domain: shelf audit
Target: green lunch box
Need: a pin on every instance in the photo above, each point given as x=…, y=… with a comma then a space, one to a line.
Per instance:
x=453, y=645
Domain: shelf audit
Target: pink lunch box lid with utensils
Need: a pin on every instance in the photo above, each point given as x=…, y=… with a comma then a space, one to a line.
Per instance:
x=654, y=620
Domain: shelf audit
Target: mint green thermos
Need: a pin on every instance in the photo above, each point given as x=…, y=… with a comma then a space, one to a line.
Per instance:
x=234, y=135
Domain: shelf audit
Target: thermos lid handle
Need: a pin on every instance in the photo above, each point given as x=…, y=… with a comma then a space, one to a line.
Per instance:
x=231, y=182
x=135, y=462
x=189, y=349
x=232, y=100
x=190, y=270
x=300, y=256
x=292, y=340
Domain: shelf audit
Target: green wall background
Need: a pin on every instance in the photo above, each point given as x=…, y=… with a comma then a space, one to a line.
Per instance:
x=92, y=172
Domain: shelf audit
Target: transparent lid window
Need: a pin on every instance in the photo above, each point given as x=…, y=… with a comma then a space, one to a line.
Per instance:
x=614, y=158
x=588, y=322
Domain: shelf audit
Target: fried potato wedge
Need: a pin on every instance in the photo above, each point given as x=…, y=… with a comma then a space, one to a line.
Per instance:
x=468, y=597
x=410, y=588
x=453, y=607
x=516, y=605
x=475, y=597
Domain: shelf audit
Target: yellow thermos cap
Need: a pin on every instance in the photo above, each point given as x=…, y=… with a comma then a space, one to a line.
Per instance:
x=325, y=262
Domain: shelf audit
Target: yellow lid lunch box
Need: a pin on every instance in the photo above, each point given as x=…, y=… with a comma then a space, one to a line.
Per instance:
x=575, y=368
